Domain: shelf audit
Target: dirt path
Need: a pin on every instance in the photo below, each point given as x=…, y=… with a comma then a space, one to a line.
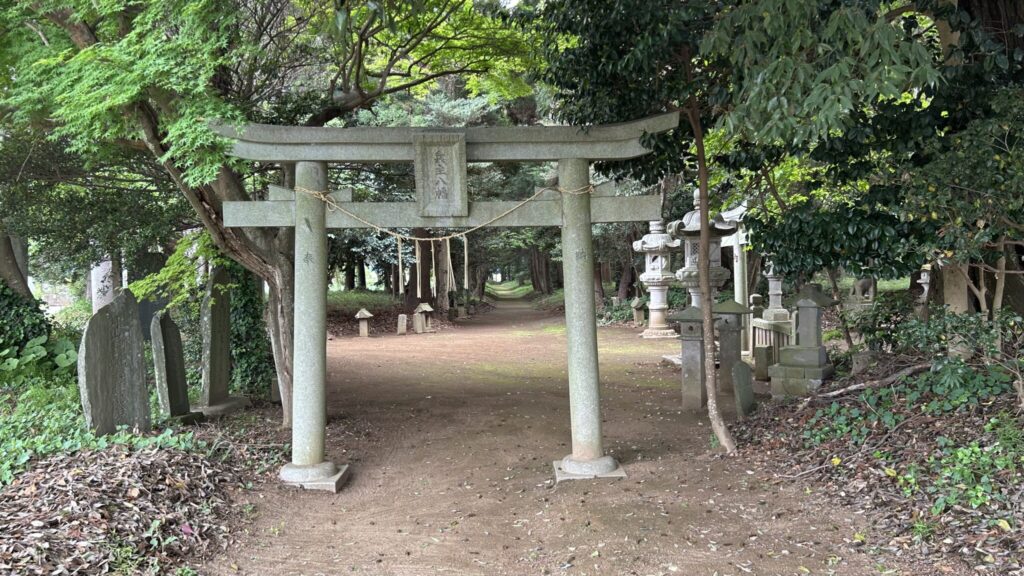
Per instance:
x=451, y=438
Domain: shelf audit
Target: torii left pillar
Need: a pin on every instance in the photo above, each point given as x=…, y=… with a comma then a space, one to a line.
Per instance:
x=309, y=467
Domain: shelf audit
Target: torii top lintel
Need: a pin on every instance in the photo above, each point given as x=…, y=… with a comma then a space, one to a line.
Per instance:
x=268, y=143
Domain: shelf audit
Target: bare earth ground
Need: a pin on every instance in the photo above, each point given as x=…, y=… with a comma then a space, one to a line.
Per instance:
x=451, y=438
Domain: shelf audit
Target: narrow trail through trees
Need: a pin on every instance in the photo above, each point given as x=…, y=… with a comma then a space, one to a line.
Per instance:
x=451, y=437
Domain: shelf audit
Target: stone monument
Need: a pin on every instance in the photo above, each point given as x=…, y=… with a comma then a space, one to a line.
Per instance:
x=803, y=367
x=111, y=368
x=637, y=304
x=215, y=324
x=403, y=324
x=169, y=370
x=730, y=326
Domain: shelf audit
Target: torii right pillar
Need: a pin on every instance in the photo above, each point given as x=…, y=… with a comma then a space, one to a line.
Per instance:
x=588, y=459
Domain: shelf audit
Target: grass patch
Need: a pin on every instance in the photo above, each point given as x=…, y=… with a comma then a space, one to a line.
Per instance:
x=510, y=290
x=553, y=301
x=348, y=302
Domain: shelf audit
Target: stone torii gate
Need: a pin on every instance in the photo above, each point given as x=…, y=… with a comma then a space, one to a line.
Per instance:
x=440, y=157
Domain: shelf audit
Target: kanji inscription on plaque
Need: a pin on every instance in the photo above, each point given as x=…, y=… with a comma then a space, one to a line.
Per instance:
x=441, y=174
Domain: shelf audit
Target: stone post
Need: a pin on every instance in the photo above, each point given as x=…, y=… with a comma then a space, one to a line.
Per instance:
x=403, y=324
x=656, y=247
x=308, y=467
x=637, y=304
x=169, y=370
x=587, y=459
x=756, y=310
x=691, y=334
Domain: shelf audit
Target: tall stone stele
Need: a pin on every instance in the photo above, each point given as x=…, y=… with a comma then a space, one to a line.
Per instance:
x=215, y=324
x=111, y=368
x=656, y=247
x=730, y=343
x=169, y=370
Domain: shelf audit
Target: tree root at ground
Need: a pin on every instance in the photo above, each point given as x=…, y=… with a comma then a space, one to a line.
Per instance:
x=888, y=380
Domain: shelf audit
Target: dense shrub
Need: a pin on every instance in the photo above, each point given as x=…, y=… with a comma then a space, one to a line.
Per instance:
x=21, y=319
x=252, y=359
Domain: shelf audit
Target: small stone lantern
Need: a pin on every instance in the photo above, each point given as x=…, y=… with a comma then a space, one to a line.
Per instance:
x=689, y=230
x=364, y=322
x=656, y=247
x=421, y=318
x=691, y=334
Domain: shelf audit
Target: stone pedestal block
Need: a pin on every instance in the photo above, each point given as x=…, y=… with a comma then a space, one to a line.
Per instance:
x=403, y=324
x=419, y=323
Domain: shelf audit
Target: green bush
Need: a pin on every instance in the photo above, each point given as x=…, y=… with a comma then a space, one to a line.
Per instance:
x=252, y=360
x=21, y=319
x=75, y=316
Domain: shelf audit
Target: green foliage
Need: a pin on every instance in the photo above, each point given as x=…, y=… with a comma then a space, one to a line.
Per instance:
x=21, y=319
x=41, y=412
x=801, y=69
x=177, y=280
x=74, y=316
x=252, y=361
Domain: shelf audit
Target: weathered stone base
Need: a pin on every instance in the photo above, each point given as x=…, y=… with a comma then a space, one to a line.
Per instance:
x=672, y=360
x=188, y=419
x=231, y=404
x=561, y=475
x=325, y=476
x=659, y=333
x=797, y=381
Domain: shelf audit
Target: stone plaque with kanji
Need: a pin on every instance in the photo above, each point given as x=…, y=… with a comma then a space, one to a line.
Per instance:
x=441, y=174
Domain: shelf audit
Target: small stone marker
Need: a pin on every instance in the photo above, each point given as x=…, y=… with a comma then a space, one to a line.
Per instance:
x=403, y=324
x=216, y=328
x=169, y=369
x=419, y=324
x=461, y=312
x=743, y=387
x=764, y=358
x=111, y=368
x=638, y=311
x=364, y=322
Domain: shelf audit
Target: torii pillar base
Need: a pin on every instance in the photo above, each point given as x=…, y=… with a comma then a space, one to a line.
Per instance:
x=571, y=469
x=325, y=476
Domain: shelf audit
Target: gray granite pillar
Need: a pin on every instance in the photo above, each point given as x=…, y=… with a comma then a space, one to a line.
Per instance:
x=730, y=326
x=308, y=467
x=587, y=459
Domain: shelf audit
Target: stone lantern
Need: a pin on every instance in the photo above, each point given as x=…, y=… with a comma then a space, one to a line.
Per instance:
x=656, y=247
x=691, y=335
x=775, y=312
x=364, y=322
x=689, y=230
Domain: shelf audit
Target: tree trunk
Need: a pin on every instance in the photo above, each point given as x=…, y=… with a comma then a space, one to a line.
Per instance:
x=480, y=277
x=837, y=295
x=598, y=286
x=350, y=275
x=11, y=272
x=280, y=317
x=704, y=276
x=361, y=274
x=625, y=280
x=443, y=287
